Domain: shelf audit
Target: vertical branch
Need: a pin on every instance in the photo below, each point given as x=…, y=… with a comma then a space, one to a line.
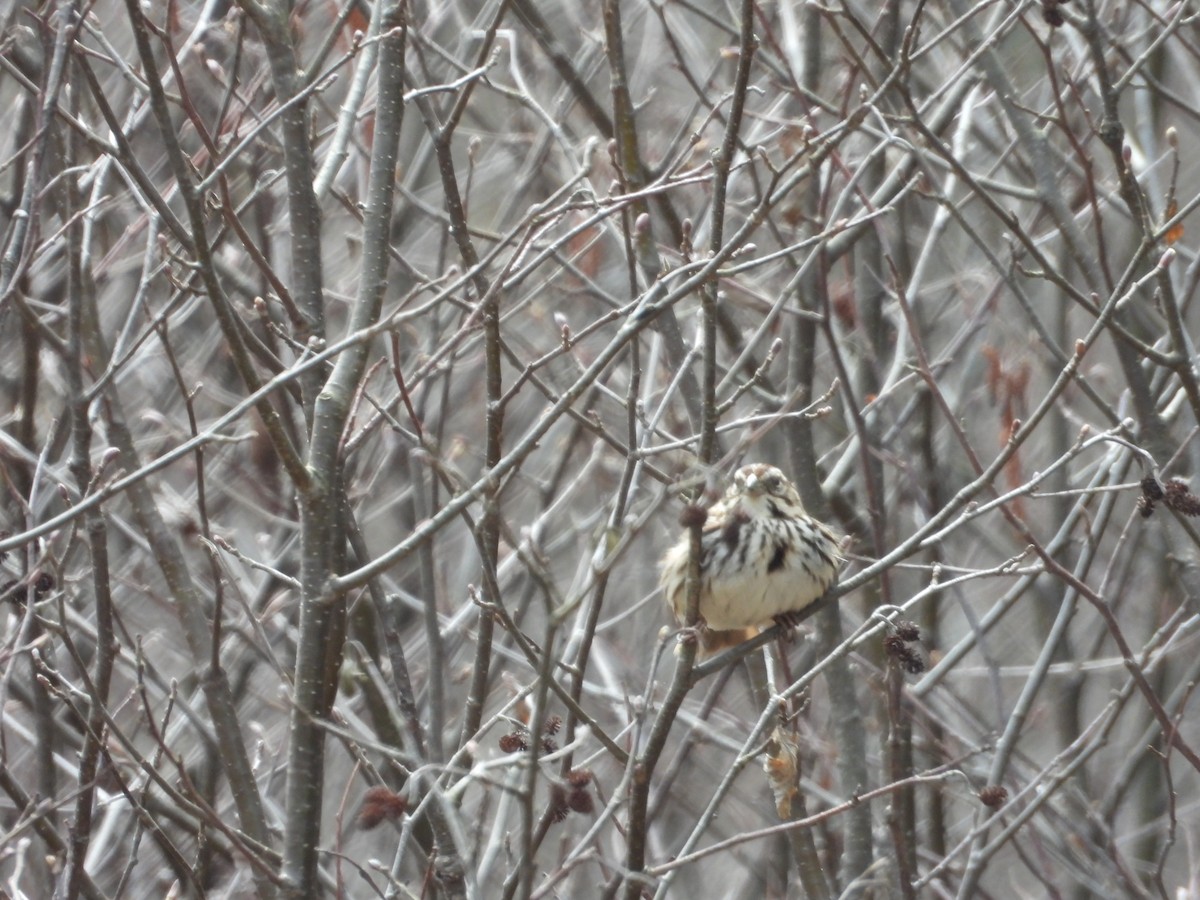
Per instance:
x=1050, y=195
x=73, y=874
x=187, y=597
x=930, y=623
x=488, y=312
x=901, y=814
x=273, y=18
x=41, y=152
x=181, y=168
x=189, y=605
x=845, y=712
x=23, y=225
x=627, y=159
x=324, y=507
x=421, y=504
x=1112, y=135
x=646, y=762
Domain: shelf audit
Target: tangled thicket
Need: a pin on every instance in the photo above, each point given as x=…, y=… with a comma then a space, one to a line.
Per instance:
x=361, y=359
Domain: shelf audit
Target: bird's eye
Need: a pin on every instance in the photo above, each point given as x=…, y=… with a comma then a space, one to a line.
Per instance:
x=773, y=483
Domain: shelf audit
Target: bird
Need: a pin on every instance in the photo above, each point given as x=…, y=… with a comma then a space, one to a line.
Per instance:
x=763, y=558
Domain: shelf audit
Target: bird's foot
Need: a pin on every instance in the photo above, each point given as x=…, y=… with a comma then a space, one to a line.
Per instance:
x=789, y=620
x=691, y=635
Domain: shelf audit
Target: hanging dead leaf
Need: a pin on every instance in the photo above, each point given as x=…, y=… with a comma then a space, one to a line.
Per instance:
x=1175, y=232
x=782, y=768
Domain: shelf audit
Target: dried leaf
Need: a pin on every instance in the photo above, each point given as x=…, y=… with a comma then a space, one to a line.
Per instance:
x=380, y=803
x=1175, y=232
x=782, y=768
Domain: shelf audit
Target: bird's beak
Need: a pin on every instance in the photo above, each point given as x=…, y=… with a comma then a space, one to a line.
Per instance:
x=753, y=485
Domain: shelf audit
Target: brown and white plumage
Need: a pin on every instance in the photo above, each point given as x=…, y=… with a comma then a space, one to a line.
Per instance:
x=762, y=557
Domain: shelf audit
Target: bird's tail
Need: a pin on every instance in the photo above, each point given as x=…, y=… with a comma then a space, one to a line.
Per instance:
x=713, y=642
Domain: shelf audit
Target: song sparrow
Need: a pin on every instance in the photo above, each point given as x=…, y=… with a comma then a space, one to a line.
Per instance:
x=762, y=558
